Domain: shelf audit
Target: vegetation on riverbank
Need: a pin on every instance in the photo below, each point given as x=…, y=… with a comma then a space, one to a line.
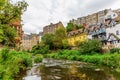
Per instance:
x=12, y=62
x=38, y=58
x=107, y=59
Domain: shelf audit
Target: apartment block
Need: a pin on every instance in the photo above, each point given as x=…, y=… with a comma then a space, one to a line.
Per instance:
x=92, y=18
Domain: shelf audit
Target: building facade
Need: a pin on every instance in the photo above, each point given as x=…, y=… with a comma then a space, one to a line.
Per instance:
x=19, y=32
x=113, y=36
x=29, y=41
x=52, y=27
x=40, y=36
x=75, y=37
x=91, y=19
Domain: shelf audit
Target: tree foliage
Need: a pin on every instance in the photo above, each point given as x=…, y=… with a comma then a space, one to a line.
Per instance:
x=69, y=26
x=48, y=39
x=60, y=35
x=8, y=14
x=90, y=47
x=56, y=40
x=38, y=49
x=79, y=26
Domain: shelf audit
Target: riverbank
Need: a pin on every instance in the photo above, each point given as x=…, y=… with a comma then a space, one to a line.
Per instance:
x=107, y=59
x=54, y=69
x=12, y=63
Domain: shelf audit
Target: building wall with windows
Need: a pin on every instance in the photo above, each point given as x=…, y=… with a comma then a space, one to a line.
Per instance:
x=113, y=36
x=52, y=27
x=29, y=41
x=19, y=32
x=75, y=37
x=91, y=19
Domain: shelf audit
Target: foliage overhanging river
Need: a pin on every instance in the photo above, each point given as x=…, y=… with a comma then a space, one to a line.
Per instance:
x=51, y=69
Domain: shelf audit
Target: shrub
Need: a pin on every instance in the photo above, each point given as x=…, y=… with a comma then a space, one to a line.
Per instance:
x=90, y=47
x=40, y=49
x=38, y=58
x=11, y=62
x=114, y=50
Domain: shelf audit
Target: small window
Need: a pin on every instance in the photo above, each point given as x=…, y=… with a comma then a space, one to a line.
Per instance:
x=109, y=16
x=114, y=15
x=117, y=32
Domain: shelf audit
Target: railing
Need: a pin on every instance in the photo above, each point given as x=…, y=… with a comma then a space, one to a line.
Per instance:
x=102, y=30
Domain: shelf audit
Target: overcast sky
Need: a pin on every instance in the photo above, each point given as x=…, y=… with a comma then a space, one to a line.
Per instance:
x=43, y=12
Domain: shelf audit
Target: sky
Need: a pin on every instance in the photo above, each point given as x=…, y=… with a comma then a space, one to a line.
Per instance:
x=43, y=12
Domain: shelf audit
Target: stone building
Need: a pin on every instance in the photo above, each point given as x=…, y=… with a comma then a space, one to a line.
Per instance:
x=19, y=32
x=92, y=18
x=40, y=36
x=29, y=41
x=52, y=27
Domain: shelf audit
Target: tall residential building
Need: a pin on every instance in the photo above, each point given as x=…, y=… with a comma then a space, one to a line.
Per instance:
x=118, y=12
x=52, y=27
x=29, y=41
x=92, y=18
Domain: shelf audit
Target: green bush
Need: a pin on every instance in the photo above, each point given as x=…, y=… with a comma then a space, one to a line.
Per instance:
x=11, y=62
x=114, y=50
x=90, y=47
x=110, y=60
x=40, y=49
x=38, y=58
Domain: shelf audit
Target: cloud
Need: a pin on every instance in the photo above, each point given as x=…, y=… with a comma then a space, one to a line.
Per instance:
x=42, y=12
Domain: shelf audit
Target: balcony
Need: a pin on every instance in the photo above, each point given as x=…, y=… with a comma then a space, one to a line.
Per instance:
x=97, y=32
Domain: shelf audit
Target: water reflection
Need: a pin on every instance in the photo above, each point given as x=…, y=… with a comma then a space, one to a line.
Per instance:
x=52, y=69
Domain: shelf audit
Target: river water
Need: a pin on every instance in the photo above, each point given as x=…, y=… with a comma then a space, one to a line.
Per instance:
x=51, y=69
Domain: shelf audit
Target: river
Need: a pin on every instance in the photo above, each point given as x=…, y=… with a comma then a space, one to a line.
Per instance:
x=51, y=69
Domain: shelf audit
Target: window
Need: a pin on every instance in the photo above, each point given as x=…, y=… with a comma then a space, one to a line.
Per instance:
x=117, y=32
x=114, y=15
x=109, y=16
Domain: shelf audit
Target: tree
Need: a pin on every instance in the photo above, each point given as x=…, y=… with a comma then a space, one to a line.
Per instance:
x=8, y=14
x=60, y=35
x=1, y=35
x=9, y=35
x=79, y=26
x=48, y=39
x=69, y=27
x=90, y=47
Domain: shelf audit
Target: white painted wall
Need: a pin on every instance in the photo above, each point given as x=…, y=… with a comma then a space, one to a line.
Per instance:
x=111, y=15
x=113, y=30
x=89, y=37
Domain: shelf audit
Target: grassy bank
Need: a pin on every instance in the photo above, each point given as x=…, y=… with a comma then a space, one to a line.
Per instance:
x=12, y=62
x=110, y=60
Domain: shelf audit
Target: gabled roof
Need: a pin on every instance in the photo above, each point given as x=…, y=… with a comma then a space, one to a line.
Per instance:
x=115, y=36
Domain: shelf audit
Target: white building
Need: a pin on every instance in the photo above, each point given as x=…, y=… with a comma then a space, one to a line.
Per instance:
x=113, y=35
x=111, y=15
